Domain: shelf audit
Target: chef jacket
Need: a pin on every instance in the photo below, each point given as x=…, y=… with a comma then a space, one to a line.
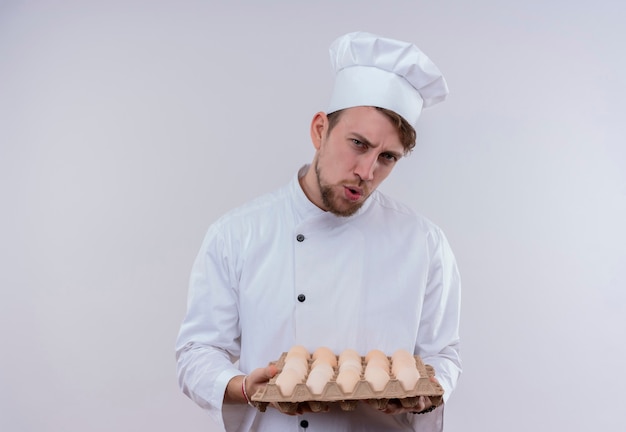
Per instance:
x=278, y=271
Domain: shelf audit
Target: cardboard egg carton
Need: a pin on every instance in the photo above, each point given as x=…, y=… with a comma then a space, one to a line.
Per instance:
x=332, y=393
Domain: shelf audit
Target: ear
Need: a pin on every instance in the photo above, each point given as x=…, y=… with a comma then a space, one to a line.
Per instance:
x=319, y=125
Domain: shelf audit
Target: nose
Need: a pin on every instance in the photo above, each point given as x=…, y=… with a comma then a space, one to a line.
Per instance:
x=366, y=166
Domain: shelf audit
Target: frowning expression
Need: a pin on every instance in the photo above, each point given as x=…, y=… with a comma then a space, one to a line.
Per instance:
x=351, y=159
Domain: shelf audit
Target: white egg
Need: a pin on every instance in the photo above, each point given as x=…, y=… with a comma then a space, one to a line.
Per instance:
x=400, y=359
x=375, y=354
x=324, y=368
x=325, y=354
x=298, y=364
x=380, y=362
x=408, y=377
x=319, y=377
x=351, y=364
x=321, y=360
x=377, y=377
x=298, y=351
x=349, y=355
x=347, y=380
x=287, y=380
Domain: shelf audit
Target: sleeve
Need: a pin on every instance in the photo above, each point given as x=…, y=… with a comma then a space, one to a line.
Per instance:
x=438, y=335
x=208, y=340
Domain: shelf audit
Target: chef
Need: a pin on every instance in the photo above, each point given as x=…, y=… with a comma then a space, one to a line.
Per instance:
x=328, y=260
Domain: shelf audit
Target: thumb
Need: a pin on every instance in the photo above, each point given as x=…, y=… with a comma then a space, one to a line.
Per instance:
x=262, y=375
x=271, y=371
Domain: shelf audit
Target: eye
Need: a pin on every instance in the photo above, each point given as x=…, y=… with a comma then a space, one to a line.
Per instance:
x=357, y=143
x=389, y=157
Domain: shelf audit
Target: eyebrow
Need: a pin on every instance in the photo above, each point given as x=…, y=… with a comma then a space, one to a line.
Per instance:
x=369, y=144
x=363, y=139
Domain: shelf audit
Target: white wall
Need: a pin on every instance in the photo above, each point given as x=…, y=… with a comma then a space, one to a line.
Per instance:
x=127, y=127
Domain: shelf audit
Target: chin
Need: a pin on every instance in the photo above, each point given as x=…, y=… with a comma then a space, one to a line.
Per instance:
x=346, y=211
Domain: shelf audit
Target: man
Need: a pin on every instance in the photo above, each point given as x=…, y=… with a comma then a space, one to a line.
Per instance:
x=328, y=260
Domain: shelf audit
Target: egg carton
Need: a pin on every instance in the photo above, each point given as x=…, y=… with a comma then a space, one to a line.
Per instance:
x=363, y=391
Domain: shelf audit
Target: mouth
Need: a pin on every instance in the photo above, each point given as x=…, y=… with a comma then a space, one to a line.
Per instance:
x=353, y=193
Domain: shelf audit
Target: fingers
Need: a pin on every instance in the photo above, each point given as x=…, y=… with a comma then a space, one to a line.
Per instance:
x=421, y=404
x=394, y=406
x=257, y=378
x=270, y=371
x=262, y=375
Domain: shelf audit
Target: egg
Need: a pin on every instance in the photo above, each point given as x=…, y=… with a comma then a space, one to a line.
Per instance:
x=375, y=354
x=325, y=354
x=298, y=351
x=319, y=376
x=382, y=363
x=400, y=359
x=316, y=384
x=321, y=360
x=349, y=355
x=351, y=364
x=298, y=364
x=325, y=368
x=347, y=380
x=401, y=354
x=377, y=377
x=408, y=377
x=287, y=380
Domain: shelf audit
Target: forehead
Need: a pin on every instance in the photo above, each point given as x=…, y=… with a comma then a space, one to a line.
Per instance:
x=372, y=125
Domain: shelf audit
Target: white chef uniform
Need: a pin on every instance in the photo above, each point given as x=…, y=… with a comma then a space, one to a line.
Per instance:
x=279, y=271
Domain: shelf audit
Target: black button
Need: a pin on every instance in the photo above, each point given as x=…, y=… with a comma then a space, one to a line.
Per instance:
x=304, y=424
x=300, y=237
x=301, y=298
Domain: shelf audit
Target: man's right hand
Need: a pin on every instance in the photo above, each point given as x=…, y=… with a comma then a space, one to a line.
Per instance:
x=254, y=381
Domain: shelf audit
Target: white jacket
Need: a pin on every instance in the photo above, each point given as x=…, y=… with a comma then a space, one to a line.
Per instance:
x=279, y=271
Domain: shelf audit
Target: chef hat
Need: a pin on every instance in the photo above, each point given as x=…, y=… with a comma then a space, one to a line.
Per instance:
x=375, y=71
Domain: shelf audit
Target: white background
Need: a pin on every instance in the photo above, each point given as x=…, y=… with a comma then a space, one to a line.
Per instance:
x=127, y=127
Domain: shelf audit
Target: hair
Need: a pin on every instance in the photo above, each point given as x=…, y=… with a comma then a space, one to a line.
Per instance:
x=406, y=132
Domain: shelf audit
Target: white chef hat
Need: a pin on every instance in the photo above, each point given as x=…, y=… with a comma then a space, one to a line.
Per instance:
x=375, y=71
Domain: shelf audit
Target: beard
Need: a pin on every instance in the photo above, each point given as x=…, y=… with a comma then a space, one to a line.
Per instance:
x=332, y=202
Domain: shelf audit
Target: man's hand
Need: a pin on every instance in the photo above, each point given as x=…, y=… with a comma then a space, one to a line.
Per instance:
x=395, y=407
x=257, y=379
x=424, y=404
